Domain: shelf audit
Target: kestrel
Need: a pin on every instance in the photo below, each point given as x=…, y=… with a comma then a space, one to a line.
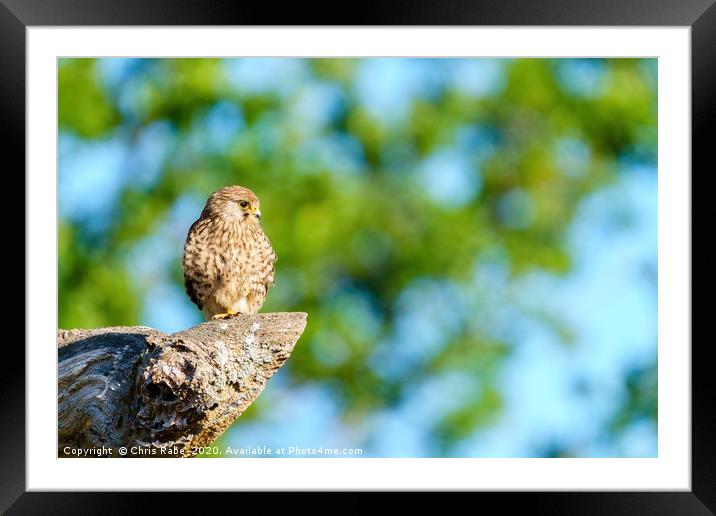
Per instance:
x=228, y=259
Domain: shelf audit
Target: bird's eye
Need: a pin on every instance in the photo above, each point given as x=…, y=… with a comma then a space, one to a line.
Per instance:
x=244, y=204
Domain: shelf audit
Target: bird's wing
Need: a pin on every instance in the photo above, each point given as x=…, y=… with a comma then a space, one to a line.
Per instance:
x=197, y=275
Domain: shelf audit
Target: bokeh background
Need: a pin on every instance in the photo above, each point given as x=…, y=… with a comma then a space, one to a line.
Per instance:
x=475, y=240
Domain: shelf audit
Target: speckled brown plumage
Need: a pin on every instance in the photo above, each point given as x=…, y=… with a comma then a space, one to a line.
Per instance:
x=228, y=259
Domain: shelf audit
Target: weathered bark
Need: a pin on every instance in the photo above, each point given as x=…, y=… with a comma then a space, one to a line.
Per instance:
x=165, y=395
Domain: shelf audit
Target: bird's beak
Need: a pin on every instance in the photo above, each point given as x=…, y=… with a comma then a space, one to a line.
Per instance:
x=257, y=213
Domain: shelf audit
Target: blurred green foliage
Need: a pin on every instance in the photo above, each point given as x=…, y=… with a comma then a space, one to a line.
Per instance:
x=353, y=236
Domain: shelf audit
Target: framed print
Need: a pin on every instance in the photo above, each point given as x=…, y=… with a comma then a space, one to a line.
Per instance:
x=437, y=249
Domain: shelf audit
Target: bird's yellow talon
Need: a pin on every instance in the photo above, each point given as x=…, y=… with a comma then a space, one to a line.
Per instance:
x=226, y=315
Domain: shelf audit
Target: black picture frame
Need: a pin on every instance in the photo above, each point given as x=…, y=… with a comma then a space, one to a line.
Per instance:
x=17, y=15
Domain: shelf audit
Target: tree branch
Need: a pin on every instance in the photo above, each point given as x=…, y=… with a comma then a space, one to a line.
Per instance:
x=165, y=395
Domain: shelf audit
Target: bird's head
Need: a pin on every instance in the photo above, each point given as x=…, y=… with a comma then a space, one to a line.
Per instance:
x=234, y=202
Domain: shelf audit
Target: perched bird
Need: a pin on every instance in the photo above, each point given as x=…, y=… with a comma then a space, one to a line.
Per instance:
x=228, y=259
